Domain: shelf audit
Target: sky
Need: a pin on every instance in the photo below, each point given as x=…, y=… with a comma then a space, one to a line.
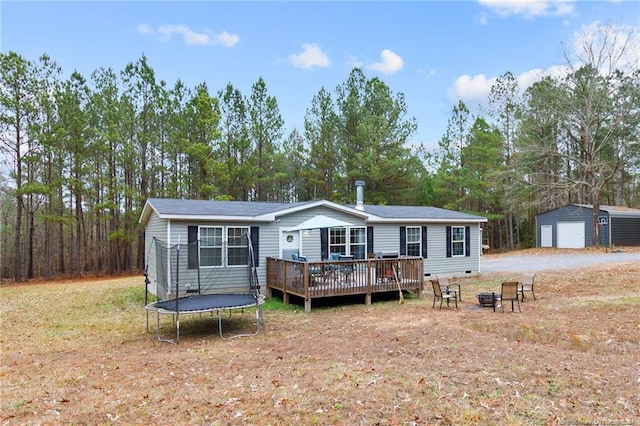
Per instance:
x=436, y=53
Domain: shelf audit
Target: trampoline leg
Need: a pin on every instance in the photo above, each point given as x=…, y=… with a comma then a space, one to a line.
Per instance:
x=220, y=324
x=158, y=326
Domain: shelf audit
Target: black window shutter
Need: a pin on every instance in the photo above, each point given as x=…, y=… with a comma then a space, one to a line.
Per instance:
x=369, y=239
x=255, y=243
x=424, y=242
x=448, y=241
x=192, y=250
x=467, y=241
x=403, y=240
x=324, y=243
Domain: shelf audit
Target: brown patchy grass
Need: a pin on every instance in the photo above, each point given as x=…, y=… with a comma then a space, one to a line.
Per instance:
x=78, y=353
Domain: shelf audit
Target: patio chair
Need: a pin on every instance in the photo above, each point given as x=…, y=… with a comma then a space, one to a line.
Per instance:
x=527, y=285
x=438, y=294
x=315, y=272
x=348, y=269
x=447, y=286
x=508, y=292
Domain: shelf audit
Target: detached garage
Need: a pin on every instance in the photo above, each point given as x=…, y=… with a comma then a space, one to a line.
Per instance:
x=571, y=226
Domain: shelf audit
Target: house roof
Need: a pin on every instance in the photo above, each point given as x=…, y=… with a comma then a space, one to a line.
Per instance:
x=255, y=211
x=385, y=213
x=168, y=208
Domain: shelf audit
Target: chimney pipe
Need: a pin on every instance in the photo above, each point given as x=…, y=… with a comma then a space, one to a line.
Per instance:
x=359, y=195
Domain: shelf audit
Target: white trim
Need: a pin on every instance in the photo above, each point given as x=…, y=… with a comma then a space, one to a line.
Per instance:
x=463, y=241
x=169, y=283
x=424, y=221
x=320, y=203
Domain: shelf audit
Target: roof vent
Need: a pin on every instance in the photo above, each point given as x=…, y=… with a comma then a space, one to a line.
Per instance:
x=359, y=195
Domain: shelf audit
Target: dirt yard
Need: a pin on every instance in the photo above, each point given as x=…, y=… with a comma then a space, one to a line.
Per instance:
x=78, y=353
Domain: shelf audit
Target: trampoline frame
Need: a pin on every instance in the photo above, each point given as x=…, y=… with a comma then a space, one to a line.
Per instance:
x=200, y=303
x=203, y=304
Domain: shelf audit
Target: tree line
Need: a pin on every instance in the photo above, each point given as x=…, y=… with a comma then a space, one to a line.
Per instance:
x=81, y=155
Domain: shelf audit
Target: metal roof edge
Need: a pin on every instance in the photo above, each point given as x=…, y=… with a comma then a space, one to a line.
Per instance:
x=210, y=217
x=427, y=220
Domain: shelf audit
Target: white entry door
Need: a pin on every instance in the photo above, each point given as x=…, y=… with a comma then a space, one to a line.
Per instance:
x=546, y=236
x=289, y=244
x=570, y=234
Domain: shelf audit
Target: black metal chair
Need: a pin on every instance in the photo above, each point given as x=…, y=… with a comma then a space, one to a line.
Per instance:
x=448, y=287
x=439, y=295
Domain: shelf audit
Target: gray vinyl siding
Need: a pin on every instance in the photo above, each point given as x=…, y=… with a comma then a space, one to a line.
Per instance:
x=386, y=238
x=311, y=245
x=156, y=227
x=225, y=279
x=437, y=261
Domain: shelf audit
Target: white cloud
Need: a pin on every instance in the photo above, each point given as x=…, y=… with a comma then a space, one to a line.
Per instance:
x=311, y=56
x=389, y=64
x=189, y=36
x=227, y=39
x=474, y=90
x=482, y=19
x=471, y=90
x=530, y=8
x=145, y=29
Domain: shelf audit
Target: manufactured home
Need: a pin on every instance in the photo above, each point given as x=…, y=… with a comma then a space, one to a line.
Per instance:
x=215, y=236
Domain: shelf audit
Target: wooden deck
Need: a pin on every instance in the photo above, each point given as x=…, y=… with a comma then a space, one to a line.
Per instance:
x=312, y=280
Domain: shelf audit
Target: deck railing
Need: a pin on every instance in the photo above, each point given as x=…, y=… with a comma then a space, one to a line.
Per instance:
x=310, y=280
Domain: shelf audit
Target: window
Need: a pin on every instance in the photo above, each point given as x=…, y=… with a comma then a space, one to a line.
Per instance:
x=457, y=240
x=238, y=246
x=210, y=246
x=337, y=241
x=216, y=251
x=358, y=242
x=414, y=241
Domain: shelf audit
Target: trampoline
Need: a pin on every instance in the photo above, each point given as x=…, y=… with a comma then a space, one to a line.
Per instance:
x=203, y=299
x=205, y=303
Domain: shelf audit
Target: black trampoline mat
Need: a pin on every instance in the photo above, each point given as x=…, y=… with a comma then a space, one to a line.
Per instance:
x=205, y=302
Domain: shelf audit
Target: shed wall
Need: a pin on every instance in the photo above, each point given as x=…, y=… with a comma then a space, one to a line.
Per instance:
x=564, y=214
x=625, y=231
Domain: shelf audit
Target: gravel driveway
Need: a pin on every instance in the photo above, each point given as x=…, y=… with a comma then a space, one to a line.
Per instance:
x=544, y=262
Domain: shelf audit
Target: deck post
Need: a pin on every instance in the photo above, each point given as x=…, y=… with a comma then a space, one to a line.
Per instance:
x=307, y=305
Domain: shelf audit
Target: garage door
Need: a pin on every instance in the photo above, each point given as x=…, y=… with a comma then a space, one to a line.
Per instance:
x=570, y=234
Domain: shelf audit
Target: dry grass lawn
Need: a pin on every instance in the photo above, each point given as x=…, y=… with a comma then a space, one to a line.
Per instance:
x=78, y=353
